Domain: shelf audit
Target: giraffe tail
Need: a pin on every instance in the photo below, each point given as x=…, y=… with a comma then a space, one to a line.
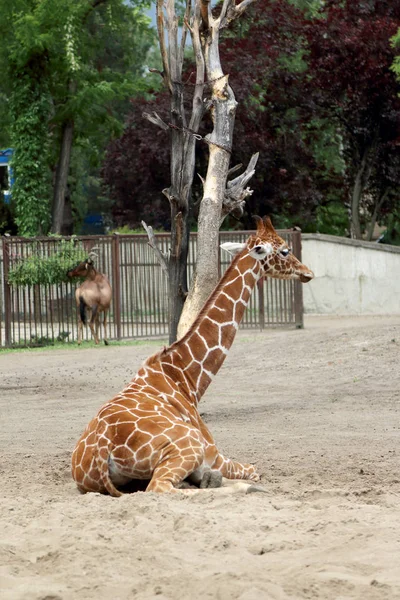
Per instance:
x=102, y=454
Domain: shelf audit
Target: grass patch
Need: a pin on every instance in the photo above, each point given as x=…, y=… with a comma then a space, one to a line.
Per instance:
x=73, y=346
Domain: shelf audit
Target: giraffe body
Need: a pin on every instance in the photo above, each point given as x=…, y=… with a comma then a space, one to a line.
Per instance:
x=152, y=430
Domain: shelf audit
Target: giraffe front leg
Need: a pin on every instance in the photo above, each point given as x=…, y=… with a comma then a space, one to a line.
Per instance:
x=179, y=460
x=230, y=469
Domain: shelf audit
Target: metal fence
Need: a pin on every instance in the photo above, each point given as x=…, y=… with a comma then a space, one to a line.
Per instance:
x=42, y=314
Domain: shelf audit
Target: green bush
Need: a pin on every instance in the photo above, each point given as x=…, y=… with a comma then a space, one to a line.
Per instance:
x=46, y=270
x=44, y=340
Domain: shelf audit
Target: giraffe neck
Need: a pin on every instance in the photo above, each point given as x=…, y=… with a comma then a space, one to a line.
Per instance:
x=201, y=352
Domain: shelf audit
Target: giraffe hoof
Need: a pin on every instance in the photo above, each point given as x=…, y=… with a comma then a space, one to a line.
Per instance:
x=211, y=479
x=254, y=477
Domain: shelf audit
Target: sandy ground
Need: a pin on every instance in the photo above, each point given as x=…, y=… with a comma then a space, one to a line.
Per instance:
x=317, y=410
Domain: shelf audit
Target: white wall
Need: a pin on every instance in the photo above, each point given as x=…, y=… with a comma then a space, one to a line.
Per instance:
x=352, y=277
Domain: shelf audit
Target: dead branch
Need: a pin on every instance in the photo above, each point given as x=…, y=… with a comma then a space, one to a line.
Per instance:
x=247, y=175
x=185, y=28
x=157, y=71
x=173, y=52
x=234, y=169
x=227, y=5
x=205, y=6
x=163, y=48
x=156, y=120
x=236, y=191
x=197, y=104
x=232, y=12
x=162, y=259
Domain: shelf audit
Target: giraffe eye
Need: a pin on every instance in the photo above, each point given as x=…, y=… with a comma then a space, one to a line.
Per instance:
x=284, y=252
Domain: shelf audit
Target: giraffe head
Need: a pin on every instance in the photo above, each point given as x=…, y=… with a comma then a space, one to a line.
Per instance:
x=273, y=253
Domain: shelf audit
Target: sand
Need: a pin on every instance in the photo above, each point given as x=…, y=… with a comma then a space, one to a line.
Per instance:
x=317, y=410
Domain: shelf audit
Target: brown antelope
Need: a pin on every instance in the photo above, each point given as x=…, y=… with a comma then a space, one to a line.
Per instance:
x=94, y=294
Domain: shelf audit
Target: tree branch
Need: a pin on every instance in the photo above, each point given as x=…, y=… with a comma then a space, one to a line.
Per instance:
x=197, y=104
x=156, y=120
x=185, y=27
x=227, y=5
x=157, y=71
x=162, y=259
x=233, y=170
x=173, y=51
x=163, y=48
x=233, y=12
x=204, y=12
x=236, y=191
x=375, y=213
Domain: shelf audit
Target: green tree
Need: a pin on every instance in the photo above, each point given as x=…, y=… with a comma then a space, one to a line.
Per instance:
x=67, y=66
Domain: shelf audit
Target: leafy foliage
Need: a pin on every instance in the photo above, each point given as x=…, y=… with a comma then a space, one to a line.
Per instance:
x=78, y=60
x=315, y=91
x=38, y=341
x=136, y=169
x=30, y=105
x=46, y=269
x=352, y=84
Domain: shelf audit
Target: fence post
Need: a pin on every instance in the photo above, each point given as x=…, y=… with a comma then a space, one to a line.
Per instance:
x=298, y=289
x=116, y=278
x=261, y=302
x=7, y=294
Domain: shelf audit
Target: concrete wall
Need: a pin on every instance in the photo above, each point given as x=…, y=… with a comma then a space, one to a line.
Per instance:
x=352, y=277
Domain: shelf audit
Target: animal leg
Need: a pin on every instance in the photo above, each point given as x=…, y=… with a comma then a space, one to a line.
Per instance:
x=92, y=323
x=97, y=325
x=80, y=329
x=105, y=328
x=230, y=469
x=227, y=467
x=181, y=461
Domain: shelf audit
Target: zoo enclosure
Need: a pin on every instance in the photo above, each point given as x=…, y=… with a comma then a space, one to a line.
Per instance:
x=40, y=314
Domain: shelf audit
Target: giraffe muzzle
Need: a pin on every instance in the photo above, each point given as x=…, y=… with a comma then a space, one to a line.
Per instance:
x=307, y=278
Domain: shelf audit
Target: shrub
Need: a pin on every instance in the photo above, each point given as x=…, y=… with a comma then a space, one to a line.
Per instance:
x=39, y=268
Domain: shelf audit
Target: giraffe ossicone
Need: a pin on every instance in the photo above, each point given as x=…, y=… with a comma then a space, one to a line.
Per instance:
x=152, y=430
x=258, y=252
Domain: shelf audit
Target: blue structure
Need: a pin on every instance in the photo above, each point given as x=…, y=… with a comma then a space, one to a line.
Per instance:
x=6, y=174
x=93, y=224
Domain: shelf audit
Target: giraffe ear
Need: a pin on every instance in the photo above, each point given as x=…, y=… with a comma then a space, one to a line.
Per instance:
x=261, y=251
x=233, y=247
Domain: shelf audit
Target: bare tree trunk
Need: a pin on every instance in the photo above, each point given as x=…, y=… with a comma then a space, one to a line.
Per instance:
x=60, y=186
x=359, y=186
x=374, y=217
x=182, y=155
x=223, y=110
x=217, y=201
x=206, y=271
x=62, y=172
x=355, y=225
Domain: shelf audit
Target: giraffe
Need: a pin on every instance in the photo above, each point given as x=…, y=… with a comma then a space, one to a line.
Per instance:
x=152, y=430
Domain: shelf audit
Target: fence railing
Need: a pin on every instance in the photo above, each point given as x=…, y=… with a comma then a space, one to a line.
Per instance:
x=40, y=314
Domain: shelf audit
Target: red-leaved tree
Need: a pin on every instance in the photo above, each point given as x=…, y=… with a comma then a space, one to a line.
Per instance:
x=260, y=55
x=295, y=80
x=351, y=82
